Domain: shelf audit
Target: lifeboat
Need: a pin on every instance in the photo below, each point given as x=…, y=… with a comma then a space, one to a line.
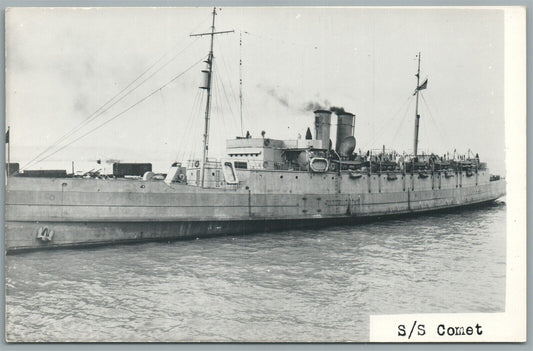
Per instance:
x=392, y=176
x=318, y=164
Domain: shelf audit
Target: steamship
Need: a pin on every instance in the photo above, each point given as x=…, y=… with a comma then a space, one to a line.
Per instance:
x=262, y=184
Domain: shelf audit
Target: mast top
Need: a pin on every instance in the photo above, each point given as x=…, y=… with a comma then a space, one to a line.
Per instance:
x=417, y=92
x=212, y=28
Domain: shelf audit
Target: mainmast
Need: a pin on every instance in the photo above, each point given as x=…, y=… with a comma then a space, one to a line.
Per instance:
x=417, y=116
x=208, y=73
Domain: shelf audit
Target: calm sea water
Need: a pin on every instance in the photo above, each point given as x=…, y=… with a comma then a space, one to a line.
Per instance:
x=301, y=285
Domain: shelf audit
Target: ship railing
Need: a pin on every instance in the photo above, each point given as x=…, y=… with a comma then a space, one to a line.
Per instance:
x=423, y=163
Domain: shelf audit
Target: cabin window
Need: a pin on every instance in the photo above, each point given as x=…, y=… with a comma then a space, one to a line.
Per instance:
x=241, y=165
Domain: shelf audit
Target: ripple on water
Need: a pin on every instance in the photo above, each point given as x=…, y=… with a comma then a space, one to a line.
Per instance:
x=301, y=285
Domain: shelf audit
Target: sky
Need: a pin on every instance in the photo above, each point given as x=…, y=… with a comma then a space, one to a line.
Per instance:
x=63, y=65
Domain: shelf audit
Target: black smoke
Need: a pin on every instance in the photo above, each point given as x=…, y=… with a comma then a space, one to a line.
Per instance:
x=337, y=110
x=314, y=105
x=324, y=105
x=276, y=94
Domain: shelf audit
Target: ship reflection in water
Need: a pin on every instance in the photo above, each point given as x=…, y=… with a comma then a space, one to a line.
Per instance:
x=302, y=285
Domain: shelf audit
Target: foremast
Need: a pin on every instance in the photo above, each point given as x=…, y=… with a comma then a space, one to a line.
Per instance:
x=208, y=73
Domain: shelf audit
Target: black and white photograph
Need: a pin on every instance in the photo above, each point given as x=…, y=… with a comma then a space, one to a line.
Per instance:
x=265, y=174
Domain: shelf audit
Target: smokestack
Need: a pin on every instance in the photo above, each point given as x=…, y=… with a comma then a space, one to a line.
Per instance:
x=322, y=126
x=345, y=124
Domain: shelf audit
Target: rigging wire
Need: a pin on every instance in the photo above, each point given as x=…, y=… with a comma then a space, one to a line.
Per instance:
x=231, y=125
x=110, y=103
x=197, y=130
x=433, y=121
x=185, y=130
x=124, y=111
x=254, y=124
x=216, y=116
x=207, y=19
x=386, y=121
x=194, y=129
x=237, y=98
x=227, y=92
x=430, y=103
x=219, y=79
x=401, y=124
x=225, y=65
x=233, y=114
x=182, y=131
x=219, y=111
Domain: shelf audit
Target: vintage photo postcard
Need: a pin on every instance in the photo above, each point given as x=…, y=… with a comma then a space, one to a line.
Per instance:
x=265, y=174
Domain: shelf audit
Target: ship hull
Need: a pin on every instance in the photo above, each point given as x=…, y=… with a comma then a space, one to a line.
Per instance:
x=94, y=234
x=90, y=212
